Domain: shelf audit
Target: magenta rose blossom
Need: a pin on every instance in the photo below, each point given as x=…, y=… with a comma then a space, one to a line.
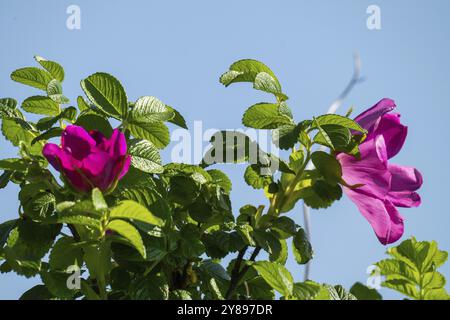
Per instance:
x=385, y=186
x=89, y=160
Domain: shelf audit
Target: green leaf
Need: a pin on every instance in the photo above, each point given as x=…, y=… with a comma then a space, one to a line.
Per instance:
x=267, y=240
x=56, y=283
x=15, y=164
x=8, y=108
x=245, y=230
x=284, y=226
x=27, y=244
x=244, y=71
x=17, y=130
x=335, y=137
x=247, y=214
x=190, y=244
x=36, y=201
x=412, y=270
x=5, y=230
x=8, y=103
x=254, y=178
x=404, y=287
x=92, y=121
x=339, y=293
x=32, y=76
x=282, y=255
x=83, y=207
x=54, y=68
x=183, y=190
x=276, y=275
x=149, y=197
x=328, y=166
x=46, y=123
x=106, y=93
x=77, y=219
x=230, y=147
x=174, y=169
x=54, y=92
x=128, y=209
x=151, y=287
x=155, y=132
x=423, y=255
x=334, y=119
x=65, y=253
x=220, y=243
x=258, y=73
x=98, y=200
x=41, y=105
x=180, y=295
x=265, y=82
x=38, y=292
x=307, y=290
x=129, y=232
x=82, y=104
x=50, y=133
x=362, y=292
x=296, y=160
x=237, y=147
x=221, y=179
x=321, y=194
x=120, y=278
x=177, y=119
x=150, y=109
x=5, y=178
x=265, y=116
x=98, y=261
x=145, y=156
x=286, y=136
x=301, y=247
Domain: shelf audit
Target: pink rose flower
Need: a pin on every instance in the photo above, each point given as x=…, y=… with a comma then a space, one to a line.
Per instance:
x=89, y=160
x=385, y=185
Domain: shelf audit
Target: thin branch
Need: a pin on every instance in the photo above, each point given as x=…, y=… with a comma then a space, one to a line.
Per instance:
x=235, y=273
x=356, y=79
x=238, y=274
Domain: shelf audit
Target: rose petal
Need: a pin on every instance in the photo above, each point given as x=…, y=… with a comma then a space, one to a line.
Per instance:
x=404, y=199
x=126, y=167
x=405, y=178
x=98, y=137
x=368, y=118
x=77, y=180
x=67, y=165
x=393, y=131
x=98, y=168
x=371, y=170
x=77, y=142
x=53, y=153
x=118, y=143
x=384, y=218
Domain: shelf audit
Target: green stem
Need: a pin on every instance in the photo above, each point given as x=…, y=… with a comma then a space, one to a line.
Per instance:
x=61, y=123
x=285, y=195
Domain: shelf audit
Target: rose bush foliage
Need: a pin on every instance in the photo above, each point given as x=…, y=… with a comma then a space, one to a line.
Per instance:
x=136, y=228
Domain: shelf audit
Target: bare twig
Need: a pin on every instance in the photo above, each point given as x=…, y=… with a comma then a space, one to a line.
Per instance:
x=356, y=78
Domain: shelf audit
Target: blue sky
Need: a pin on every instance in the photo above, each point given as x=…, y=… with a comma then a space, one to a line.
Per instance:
x=176, y=50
